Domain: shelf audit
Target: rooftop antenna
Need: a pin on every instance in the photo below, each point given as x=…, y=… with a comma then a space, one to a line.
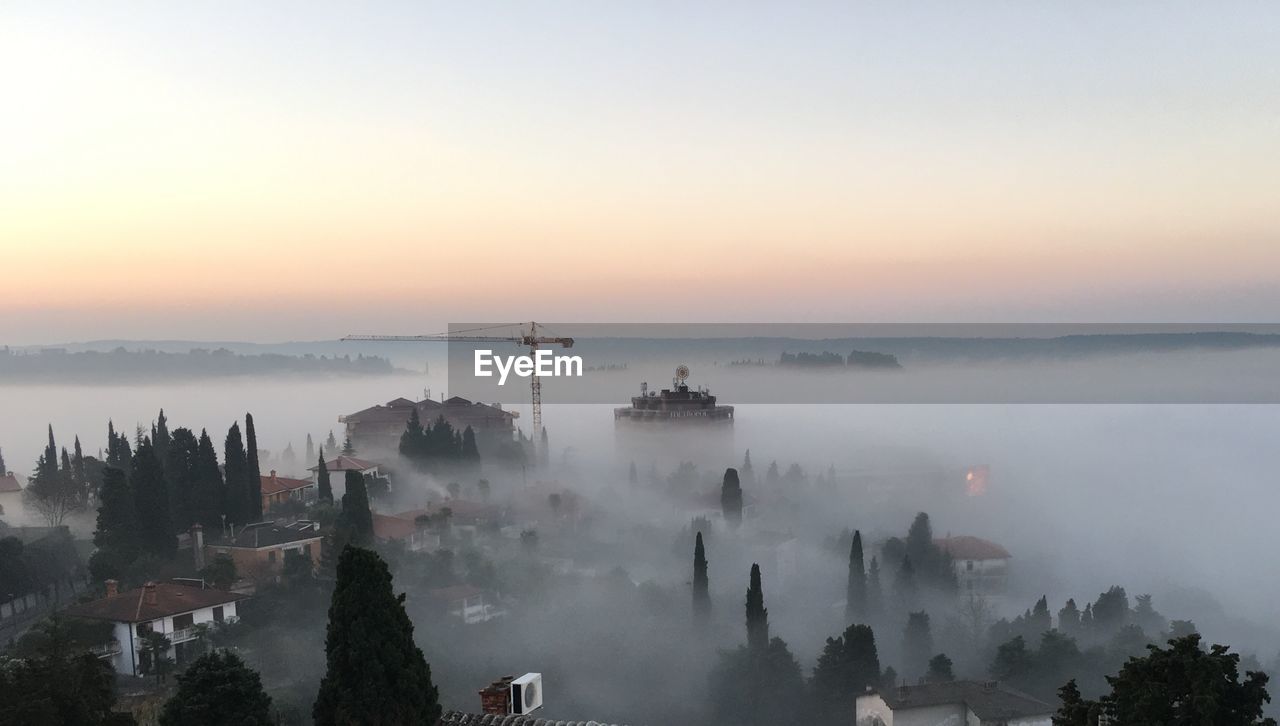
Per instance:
x=682, y=374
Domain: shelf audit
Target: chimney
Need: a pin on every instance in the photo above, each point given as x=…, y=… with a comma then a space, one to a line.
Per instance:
x=495, y=699
x=113, y=588
x=197, y=545
x=149, y=593
x=273, y=476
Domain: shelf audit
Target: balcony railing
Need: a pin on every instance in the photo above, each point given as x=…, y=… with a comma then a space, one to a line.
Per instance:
x=106, y=650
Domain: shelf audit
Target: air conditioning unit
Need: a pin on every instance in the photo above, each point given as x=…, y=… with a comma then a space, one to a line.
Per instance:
x=526, y=694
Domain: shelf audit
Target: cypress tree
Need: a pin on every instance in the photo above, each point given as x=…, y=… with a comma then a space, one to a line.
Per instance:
x=206, y=503
x=253, y=500
x=875, y=594
x=236, y=469
x=375, y=673
x=757, y=614
x=731, y=498
x=151, y=501
x=116, y=535
x=311, y=448
x=904, y=585
x=4, y=469
x=470, y=452
x=324, y=490
x=856, y=588
x=331, y=443
x=160, y=438
x=632, y=477
x=355, y=508
x=348, y=449
x=77, y=466
x=181, y=470
x=917, y=644
x=701, y=594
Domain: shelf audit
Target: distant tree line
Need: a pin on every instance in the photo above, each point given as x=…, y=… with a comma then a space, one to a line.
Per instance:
x=131, y=365
x=855, y=359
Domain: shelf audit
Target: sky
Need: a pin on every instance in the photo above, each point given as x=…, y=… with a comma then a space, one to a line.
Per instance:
x=303, y=170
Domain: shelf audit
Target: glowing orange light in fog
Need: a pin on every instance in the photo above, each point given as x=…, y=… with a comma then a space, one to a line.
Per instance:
x=976, y=481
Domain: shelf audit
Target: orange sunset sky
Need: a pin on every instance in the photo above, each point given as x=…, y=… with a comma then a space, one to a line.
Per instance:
x=304, y=170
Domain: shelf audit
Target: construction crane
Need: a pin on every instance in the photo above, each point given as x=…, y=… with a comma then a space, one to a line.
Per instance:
x=532, y=341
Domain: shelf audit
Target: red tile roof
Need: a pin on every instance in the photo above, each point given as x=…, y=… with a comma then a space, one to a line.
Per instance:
x=9, y=483
x=972, y=548
x=170, y=599
x=454, y=593
x=276, y=484
x=345, y=463
x=386, y=526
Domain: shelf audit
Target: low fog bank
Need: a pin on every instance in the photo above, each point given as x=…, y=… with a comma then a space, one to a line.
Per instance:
x=1172, y=500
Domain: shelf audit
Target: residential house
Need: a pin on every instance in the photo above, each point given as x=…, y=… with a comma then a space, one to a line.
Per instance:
x=259, y=550
x=982, y=566
x=410, y=531
x=172, y=609
x=466, y=602
x=962, y=703
x=11, y=507
x=378, y=428
x=277, y=490
x=338, y=467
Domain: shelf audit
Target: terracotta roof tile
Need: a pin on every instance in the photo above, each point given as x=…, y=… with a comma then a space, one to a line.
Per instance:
x=972, y=548
x=171, y=599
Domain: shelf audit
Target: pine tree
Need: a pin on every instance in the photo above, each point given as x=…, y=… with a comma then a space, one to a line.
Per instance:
x=731, y=498
x=236, y=470
x=701, y=594
x=375, y=673
x=757, y=614
x=748, y=473
x=413, y=440
x=151, y=501
x=917, y=644
x=253, y=500
x=331, y=443
x=940, y=669
x=848, y=666
x=218, y=689
x=116, y=536
x=324, y=489
x=348, y=449
x=855, y=609
x=1069, y=618
x=1040, y=620
x=355, y=508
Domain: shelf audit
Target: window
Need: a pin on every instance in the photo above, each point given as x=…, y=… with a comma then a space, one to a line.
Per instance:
x=144, y=628
x=271, y=557
x=306, y=549
x=217, y=614
x=969, y=565
x=182, y=622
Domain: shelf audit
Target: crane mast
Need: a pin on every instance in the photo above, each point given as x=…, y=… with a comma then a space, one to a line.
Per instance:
x=532, y=341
